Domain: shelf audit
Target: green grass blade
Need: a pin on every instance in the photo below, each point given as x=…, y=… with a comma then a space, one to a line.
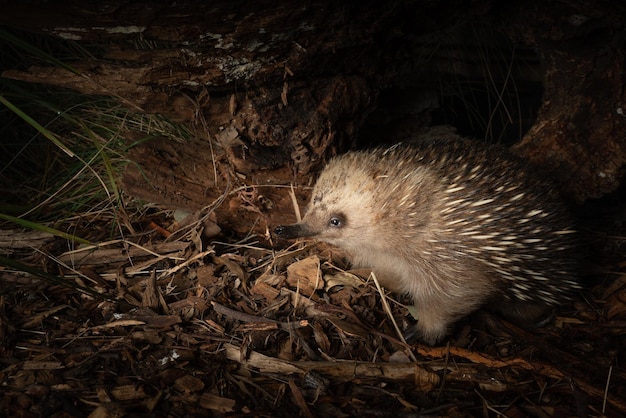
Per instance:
x=34, y=51
x=39, y=227
x=32, y=122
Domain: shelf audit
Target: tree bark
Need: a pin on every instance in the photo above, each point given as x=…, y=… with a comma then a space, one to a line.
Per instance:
x=579, y=134
x=274, y=91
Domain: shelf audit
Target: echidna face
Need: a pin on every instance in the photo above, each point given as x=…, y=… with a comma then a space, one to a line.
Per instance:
x=361, y=201
x=339, y=212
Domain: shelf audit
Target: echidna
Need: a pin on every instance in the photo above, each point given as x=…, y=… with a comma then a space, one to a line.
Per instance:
x=454, y=223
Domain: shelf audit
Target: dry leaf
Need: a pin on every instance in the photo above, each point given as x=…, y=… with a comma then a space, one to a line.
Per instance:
x=265, y=290
x=342, y=279
x=188, y=384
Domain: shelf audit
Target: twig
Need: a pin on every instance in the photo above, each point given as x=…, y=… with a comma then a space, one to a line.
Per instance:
x=606, y=389
x=244, y=317
x=387, y=308
x=294, y=202
x=340, y=370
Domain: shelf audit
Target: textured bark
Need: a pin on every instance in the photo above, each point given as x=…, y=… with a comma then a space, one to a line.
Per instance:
x=274, y=90
x=580, y=131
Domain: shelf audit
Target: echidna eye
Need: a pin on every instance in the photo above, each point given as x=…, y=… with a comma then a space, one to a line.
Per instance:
x=336, y=222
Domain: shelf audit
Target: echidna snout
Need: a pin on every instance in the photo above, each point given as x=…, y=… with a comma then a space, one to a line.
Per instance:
x=290, y=231
x=453, y=223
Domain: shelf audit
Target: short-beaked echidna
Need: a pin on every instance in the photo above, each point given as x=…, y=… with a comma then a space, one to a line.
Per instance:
x=454, y=223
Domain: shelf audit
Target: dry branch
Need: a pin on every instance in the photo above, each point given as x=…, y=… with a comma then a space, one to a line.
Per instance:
x=340, y=370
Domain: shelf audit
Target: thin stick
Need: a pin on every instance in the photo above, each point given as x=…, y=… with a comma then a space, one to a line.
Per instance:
x=606, y=389
x=244, y=317
x=383, y=298
x=294, y=202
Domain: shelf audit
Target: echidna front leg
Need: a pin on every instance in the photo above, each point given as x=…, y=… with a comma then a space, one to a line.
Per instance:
x=431, y=327
x=435, y=315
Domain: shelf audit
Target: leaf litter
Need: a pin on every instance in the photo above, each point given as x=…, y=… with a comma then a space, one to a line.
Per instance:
x=180, y=324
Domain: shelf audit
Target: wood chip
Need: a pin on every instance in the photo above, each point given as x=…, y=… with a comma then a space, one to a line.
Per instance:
x=305, y=275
